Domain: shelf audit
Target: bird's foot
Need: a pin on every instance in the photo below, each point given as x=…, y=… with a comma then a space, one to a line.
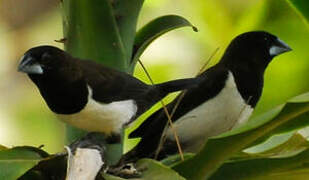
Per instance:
x=125, y=171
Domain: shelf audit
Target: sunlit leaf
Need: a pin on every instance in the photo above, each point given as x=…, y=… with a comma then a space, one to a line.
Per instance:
x=266, y=167
x=301, y=122
x=272, y=142
x=221, y=148
x=53, y=166
x=17, y=161
x=294, y=145
x=302, y=8
x=153, y=30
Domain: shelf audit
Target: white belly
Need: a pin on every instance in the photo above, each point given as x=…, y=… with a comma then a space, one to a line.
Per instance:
x=105, y=118
x=220, y=114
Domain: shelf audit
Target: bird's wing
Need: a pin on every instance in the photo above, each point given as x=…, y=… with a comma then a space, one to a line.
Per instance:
x=212, y=81
x=109, y=85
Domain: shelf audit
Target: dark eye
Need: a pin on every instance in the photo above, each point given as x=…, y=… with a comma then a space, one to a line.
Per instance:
x=265, y=39
x=46, y=57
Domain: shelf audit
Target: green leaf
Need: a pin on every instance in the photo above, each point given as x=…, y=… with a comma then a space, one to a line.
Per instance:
x=266, y=167
x=301, y=122
x=53, y=166
x=302, y=8
x=151, y=170
x=294, y=145
x=91, y=32
x=221, y=148
x=17, y=161
x=154, y=170
x=153, y=30
x=175, y=159
x=272, y=142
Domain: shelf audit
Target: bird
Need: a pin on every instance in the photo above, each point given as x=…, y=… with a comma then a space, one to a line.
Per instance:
x=89, y=95
x=225, y=97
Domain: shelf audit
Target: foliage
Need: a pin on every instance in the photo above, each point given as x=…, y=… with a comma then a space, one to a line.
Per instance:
x=212, y=162
x=302, y=8
x=105, y=31
x=219, y=149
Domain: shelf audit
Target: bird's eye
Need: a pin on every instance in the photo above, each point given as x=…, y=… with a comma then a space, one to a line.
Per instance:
x=46, y=57
x=265, y=38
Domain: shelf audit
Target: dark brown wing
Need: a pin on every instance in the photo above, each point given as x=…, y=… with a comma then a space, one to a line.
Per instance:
x=109, y=85
x=212, y=81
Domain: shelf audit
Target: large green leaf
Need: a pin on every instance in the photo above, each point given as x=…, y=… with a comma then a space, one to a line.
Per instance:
x=53, y=166
x=266, y=167
x=175, y=159
x=294, y=145
x=17, y=161
x=301, y=122
x=153, y=30
x=156, y=170
x=302, y=8
x=151, y=170
x=219, y=149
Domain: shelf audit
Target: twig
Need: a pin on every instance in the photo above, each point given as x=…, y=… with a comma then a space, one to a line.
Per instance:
x=62, y=40
x=208, y=61
x=167, y=114
x=179, y=99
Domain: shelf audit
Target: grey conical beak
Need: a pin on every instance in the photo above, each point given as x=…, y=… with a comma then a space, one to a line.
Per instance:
x=279, y=47
x=29, y=65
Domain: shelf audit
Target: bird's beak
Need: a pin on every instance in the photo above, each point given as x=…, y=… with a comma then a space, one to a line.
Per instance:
x=29, y=65
x=279, y=47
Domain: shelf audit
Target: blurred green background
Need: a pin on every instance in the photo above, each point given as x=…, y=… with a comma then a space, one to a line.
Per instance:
x=26, y=120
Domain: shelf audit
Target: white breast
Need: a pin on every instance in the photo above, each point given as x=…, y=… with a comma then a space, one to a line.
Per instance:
x=99, y=117
x=217, y=115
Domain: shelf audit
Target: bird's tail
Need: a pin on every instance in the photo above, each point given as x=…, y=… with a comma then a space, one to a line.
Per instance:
x=177, y=85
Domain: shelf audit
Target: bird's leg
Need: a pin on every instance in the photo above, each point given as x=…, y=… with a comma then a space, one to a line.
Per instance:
x=124, y=170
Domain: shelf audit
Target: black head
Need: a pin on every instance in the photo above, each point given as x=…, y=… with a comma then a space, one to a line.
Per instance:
x=57, y=76
x=41, y=59
x=256, y=48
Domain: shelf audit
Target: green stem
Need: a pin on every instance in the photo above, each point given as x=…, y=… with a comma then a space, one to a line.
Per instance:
x=91, y=32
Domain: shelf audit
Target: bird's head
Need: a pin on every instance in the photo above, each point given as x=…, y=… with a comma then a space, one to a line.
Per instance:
x=257, y=48
x=39, y=60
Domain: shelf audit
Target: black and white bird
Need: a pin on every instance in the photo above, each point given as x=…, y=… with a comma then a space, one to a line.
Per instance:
x=224, y=98
x=88, y=95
